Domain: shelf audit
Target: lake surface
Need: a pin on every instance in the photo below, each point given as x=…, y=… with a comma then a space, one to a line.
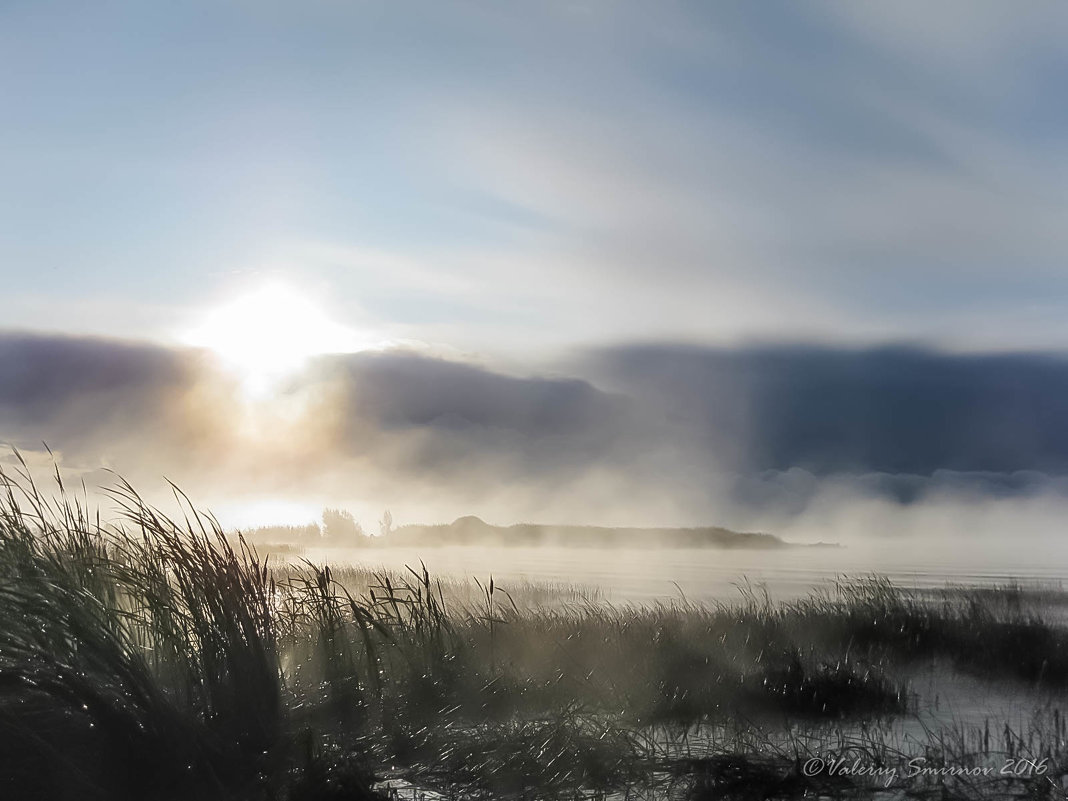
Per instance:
x=710, y=574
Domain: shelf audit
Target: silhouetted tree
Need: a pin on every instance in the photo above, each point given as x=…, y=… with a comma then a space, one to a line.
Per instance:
x=385, y=525
x=340, y=526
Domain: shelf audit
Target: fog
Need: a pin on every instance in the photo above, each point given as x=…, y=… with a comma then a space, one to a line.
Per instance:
x=808, y=443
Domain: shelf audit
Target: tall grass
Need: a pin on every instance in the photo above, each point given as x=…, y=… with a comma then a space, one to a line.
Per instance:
x=160, y=635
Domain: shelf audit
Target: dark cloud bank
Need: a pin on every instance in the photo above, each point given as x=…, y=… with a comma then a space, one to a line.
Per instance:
x=893, y=421
x=697, y=429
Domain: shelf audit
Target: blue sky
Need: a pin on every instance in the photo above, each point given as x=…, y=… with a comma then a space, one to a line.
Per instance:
x=534, y=176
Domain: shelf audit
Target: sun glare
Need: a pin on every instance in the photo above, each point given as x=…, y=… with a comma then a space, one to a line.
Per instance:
x=269, y=334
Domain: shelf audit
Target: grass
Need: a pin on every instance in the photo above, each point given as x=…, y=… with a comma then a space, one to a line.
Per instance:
x=153, y=657
x=158, y=637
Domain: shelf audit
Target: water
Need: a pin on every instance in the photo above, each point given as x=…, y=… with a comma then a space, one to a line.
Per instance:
x=710, y=574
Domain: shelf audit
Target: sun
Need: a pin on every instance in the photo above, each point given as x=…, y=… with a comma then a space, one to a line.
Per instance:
x=269, y=334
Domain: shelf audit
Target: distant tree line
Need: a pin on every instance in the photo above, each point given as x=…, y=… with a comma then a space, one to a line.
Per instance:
x=338, y=527
x=283, y=533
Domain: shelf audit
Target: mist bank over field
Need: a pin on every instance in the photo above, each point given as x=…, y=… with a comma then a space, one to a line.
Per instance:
x=810, y=443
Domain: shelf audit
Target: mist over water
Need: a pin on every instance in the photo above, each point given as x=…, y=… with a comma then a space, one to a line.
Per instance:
x=719, y=575
x=950, y=539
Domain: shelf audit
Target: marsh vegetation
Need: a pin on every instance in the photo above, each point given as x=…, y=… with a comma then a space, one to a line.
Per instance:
x=153, y=657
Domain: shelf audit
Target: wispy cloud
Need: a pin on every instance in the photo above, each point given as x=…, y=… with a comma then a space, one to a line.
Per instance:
x=560, y=173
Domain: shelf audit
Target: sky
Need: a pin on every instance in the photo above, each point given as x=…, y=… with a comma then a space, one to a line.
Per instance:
x=247, y=233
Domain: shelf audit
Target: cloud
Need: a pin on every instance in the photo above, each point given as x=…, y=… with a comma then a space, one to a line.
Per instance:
x=649, y=434
x=553, y=174
x=465, y=426
x=364, y=424
x=882, y=410
x=788, y=174
x=407, y=390
x=87, y=396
